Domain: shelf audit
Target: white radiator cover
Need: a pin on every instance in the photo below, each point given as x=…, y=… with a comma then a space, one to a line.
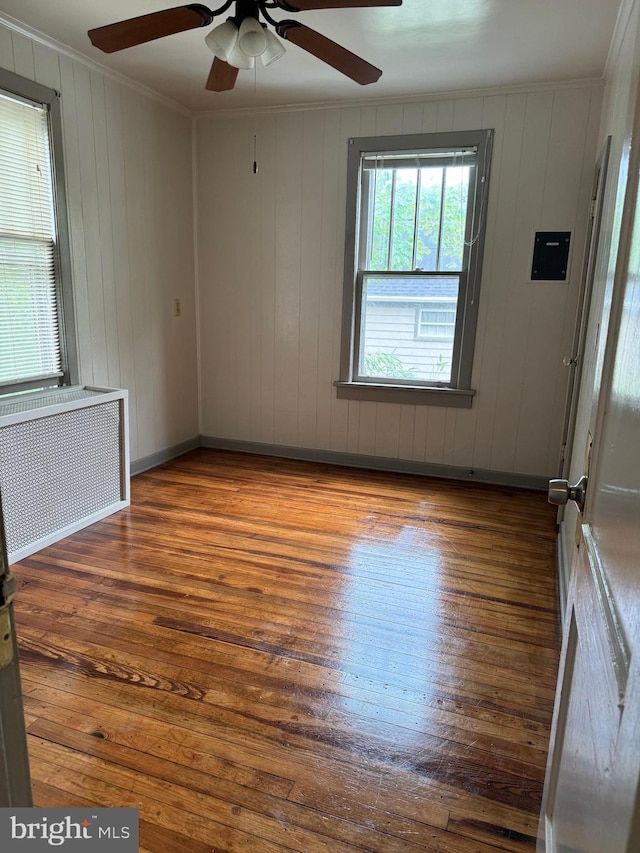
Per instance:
x=64, y=463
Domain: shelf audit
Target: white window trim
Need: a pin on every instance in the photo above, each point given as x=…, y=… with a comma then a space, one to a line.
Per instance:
x=458, y=391
x=29, y=90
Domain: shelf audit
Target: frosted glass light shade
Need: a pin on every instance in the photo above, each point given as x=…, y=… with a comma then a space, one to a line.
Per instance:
x=239, y=59
x=222, y=40
x=274, y=49
x=251, y=38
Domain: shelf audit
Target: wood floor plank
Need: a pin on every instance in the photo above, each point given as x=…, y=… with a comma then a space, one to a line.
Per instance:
x=269, y=655
x=195, y=779
x=364, y=782
x=311, y=624
x=468, y=716
x=526, y=680
x=523, y=663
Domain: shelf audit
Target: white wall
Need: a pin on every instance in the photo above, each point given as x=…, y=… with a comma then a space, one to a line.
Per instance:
x=128, y=163
x=270, y=273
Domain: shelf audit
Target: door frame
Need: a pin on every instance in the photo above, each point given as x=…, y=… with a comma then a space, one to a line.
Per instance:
x=597, y=244
x=593, y=250
x=15, y=777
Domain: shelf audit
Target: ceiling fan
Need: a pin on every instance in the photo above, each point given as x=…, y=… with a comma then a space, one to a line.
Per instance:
x=241, y=38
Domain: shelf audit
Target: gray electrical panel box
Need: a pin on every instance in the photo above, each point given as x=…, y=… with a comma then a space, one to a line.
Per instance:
x=551, y=256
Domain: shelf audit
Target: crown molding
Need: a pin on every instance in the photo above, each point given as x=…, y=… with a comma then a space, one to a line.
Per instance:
x=45, y=40
x=486, y=92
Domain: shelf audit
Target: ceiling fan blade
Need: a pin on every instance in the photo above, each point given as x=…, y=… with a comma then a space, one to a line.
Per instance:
x=328, y=51
x=308, y=5
x=146, y=28
x=222, y=77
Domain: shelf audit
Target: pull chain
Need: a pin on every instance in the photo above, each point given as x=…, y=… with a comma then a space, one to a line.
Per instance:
x=255, y=134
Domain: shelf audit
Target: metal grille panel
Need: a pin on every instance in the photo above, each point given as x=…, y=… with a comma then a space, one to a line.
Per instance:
x=29, y=402
x=59, y=469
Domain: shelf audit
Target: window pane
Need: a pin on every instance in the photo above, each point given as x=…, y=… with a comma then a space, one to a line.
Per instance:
x=429, y=219
x=29, y=344
x=29, y=333
x=454, y=217
x=403, y=226
x=391, y=346
x=417, y=218
x=381, y=183
x=26, y=197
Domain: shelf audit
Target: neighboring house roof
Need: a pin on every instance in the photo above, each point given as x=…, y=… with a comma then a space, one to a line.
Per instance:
x=413, y=288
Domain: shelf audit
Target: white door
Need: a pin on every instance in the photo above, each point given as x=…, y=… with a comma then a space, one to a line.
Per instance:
x=592, y=790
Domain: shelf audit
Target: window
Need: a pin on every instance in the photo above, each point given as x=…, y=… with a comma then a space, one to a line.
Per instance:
x=436, y=321
x=35, y=298
x=416, y=214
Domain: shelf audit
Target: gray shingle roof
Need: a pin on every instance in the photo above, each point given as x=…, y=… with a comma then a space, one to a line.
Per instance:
x=413, y=287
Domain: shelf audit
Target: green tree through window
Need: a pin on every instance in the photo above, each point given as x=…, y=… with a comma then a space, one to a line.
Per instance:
x=418, y=218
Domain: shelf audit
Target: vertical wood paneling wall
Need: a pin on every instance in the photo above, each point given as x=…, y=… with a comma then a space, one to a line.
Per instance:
x=270, y=279
x=270, y=267
x=128, y=162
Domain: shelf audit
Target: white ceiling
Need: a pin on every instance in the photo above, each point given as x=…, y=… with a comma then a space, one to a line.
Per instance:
x=423, y=47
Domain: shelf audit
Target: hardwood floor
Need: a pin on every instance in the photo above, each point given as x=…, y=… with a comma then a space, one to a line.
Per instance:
x=267, y=655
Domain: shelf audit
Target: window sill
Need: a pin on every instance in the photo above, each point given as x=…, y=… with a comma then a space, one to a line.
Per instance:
x=415, y=396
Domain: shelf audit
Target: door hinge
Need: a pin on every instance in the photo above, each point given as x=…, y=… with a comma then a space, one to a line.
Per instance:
x=6, y=644
x=7, y=589
x=7, y=594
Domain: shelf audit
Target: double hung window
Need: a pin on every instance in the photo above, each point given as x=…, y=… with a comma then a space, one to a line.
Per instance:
x=35, y=298
x=415, y=225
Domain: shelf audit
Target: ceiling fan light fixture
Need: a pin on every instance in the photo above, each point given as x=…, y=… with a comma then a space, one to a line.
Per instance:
x=242, y=37
x=251, y=37
x=222, y=40
x=239, y=59
x=274, y=49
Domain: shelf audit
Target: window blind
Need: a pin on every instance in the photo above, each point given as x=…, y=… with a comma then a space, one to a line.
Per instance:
x=30, y=350
x=433, y=158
